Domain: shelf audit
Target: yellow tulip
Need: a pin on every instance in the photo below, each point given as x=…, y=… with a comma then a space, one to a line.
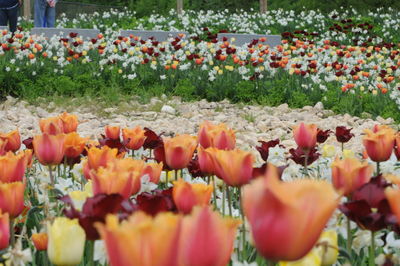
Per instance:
x=66, y=241
x=311, y=259
x=328, y=246
x=328, y=151
x=348, y=154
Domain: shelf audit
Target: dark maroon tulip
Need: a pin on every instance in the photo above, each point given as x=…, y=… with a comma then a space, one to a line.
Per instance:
x=113, y=143
x=96, y=209
x=260, y=171
x=369, y=207
x=323, y=135
x=154, y=203
x=194, y=168
x=28, y=143
x=299, y=157
x=265, y=146
x=152, y=140
x=343, y=134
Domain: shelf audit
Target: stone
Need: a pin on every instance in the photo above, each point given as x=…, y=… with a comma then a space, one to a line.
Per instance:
x=242, y=39
x=65, y=32
x=319, y=106
x=168, y=110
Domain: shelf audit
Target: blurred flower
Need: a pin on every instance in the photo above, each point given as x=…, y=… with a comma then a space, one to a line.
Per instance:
x=217, y=136
x=350, y=174
x=152, y=139
x=312, y=258
x=348, y=154
x=156, y=202
x=12, y=198
x=287, y=218
x=206, y=160
x=235, y=167
x=379, y=143
x=62, y=233
x=323, y=135
x=74, y=145
x=40, y=241
x=51, y=126
x=328, y=151
x=187, y=195
x=153, y=170
x=49, y=149
x=112, y=132
x=69, y=121
x=4, y=230
x=13, y=140
x=265, y=146
x=12, y=167
x=98, y=157
x=305, y=135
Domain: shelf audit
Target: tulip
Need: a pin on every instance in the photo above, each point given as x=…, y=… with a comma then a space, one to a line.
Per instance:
x=51, y=126
x=379, y=143
x=212, y=248
x=393, y=197
x=328, y=151
x=311, y=259
x=157, y=202
x=4, y=230
x=396, y=148
x=121, y=177
x=70, y=122
x=101, y=157
x=13, y=139
x=206, y=161
x=153, y=170
x=112, y=132
x=328, y=246
x=305, y=136
x=287, y=218
x=40, y=241
x=343, y=134
x=74, y=145
x=133, y=138
x=235, y=167
x=12, y=167
x=66, y=241
x=323, y=135
x=350, y=174
x=179, y=151
x=12, y=198
x=217, y=136
x=265, y=146
x=3, y=144
x=187, y=195
x=49, y=149
x=141, y=240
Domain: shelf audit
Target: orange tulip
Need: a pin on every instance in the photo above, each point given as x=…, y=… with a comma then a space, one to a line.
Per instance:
x=212, y=248
x=154, y=171
x=100, y=157
x=12, y=167
x=305, y=135
x=235, y=167
x=217, y=136
x=122, y=177
x=49, y=149
x=187, y=195
x=3, y=144
x=287, y=218
x=70, y=122
x=379, y=143
x=74, y=145
x=40, y=241
x=350, y=174
x=28, y=157
x=12, y=198
x=206, y=160
x=179, y=150
x=133, y=138
x=4, y=230
x=112, y=132
x=13, y=139
x=141, y=240
x=51, y=126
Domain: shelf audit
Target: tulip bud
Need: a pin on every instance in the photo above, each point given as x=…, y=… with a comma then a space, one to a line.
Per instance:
x=112, y=132
x=305, y=136
x=66, y=241
x=40, y=241
x=49, y=149
x=187, y=195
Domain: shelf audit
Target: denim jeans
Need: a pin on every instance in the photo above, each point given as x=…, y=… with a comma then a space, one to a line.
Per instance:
x=45, y=16
x=9, y=16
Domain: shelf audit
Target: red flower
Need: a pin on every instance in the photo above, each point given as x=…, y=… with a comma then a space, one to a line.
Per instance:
x=299, y=157
x=159, y=201
x=265, y=146
x=152, y=140
x=343, y=134
x=323, y=135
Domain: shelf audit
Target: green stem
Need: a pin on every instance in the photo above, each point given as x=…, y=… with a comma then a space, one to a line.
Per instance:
x=349, y=236
x=90, y=246
x=223, y=199
x=378, y=168
x=133, y=153
x=176, y=175
x=342, y=147
x=214, y=193
x=229, y=199
x=372, y=250
x=243, y=223
x=306, y=163
x=51, y=176
x=12, y=233
x=166, y=178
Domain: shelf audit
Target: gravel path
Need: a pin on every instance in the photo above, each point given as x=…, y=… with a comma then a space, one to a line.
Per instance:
x=252, y=123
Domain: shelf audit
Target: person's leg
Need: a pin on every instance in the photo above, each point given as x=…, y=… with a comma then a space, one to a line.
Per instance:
x=3, y=17
x=50, y=16
x=40, y=10
x=13, y=18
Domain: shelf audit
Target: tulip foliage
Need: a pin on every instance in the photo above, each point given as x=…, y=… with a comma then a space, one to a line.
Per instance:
x=135, y=197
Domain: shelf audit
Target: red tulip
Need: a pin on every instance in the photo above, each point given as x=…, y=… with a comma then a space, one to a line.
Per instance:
x=49, y=149
x=13, y=139
x=379, y=143
x=112, y=132
x=187, y=195
x=305, y=136
x=179, y=151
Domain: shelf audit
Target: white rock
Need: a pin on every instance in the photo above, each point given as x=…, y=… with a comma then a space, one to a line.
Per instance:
x=168, y=109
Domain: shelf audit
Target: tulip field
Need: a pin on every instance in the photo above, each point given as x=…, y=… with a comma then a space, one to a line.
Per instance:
x=345, y=60
x=139, y=197
x=133, y=196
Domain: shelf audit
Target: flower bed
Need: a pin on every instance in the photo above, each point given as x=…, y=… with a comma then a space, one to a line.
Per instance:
x=135, y=197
